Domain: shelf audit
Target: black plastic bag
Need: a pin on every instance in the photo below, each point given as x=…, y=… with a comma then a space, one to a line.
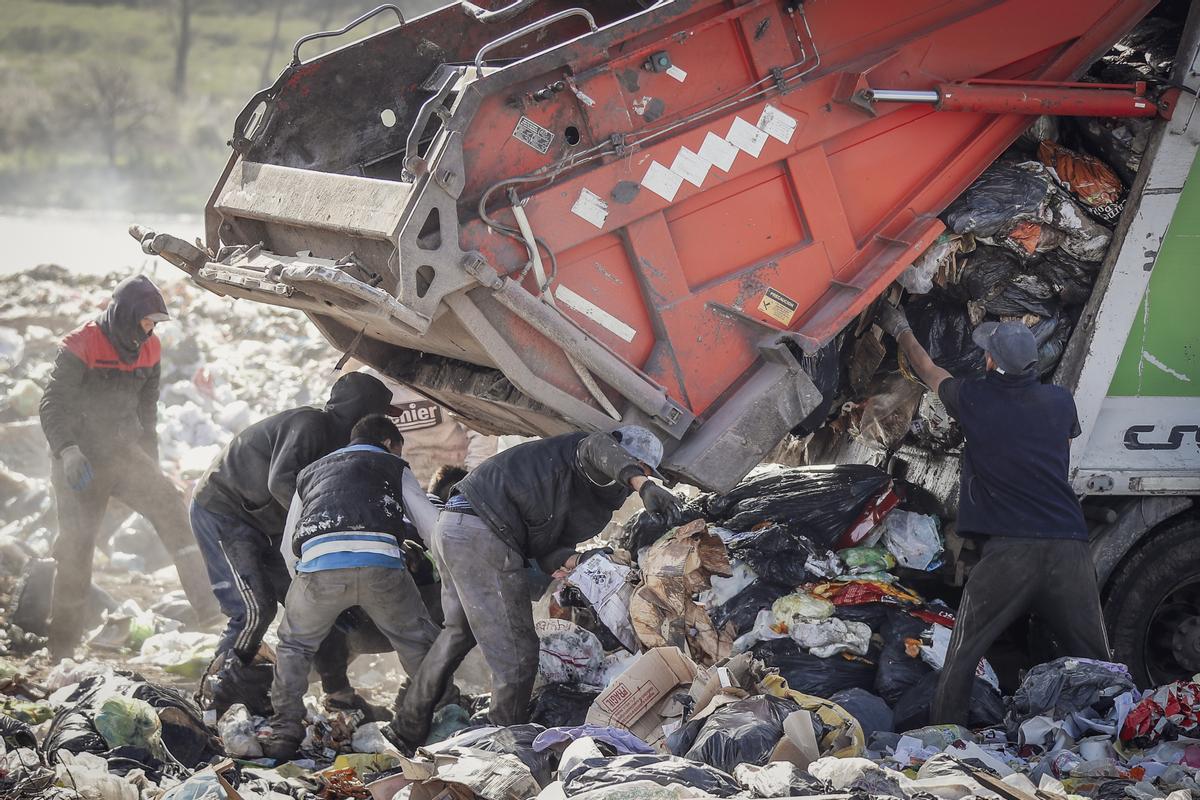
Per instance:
x=1071, y=278
x=598, y=773
x=72, y=729
x=1051, y=335
x=744, y=732
x=184, y=734
x=780, y=779
x=819, y=503
x=985, y=271
x=1023, y=293
x=899, y=672
x=875, y=615
x=986, y=705
x=122, y=760
x=16, y=733
x=743, y=607
x=643, y=529
x=776, y=554
x=822, y=677
x=872, y=713
x=556, y=705
x=1063, y=686
x=826, y=369
x=516, y=740
x=945, y=331
x=1003, y=194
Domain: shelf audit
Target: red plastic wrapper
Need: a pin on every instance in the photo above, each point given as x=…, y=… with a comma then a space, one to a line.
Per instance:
x=1168, y=711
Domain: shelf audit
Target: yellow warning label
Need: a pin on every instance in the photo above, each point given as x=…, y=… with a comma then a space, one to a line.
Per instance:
x=778, y=306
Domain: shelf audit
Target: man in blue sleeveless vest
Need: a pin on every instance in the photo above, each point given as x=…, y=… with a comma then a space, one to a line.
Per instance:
x=535, y=501
x=1016, y=500
x=346, y=525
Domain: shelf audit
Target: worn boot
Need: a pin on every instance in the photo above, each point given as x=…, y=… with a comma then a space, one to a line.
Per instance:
x=283, y=742
x=349, y=701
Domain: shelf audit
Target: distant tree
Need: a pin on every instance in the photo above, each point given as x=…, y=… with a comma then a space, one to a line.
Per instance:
x=269, y=67
x=26, y=126
x=183, y=44
x=109, y=99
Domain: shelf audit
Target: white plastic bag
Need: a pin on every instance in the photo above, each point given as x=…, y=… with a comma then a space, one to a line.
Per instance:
x=913, y=539
x=237, y=731
x=828, y=637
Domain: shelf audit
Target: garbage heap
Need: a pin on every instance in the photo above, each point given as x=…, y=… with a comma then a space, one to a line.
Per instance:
x=770, y=647
x=1024, y=242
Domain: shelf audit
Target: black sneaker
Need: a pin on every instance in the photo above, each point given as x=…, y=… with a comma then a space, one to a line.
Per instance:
x=370, y=711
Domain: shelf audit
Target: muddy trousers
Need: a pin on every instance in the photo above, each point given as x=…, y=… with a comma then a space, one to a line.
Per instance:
x=1052, y=579
x=250, y=580
x=485, y=597
x=136, y=479
x=315, y=601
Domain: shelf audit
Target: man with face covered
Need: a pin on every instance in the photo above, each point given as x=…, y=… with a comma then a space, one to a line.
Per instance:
x=100, y=415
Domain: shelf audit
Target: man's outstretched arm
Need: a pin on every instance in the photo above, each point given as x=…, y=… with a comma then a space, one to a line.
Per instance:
x=893, y=321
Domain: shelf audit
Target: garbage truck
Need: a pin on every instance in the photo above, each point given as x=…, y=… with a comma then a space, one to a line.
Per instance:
x=551, y=216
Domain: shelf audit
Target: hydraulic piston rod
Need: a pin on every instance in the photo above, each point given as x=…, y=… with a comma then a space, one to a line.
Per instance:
x=1031, y=97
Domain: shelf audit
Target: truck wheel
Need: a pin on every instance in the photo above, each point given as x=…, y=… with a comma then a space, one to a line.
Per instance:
x=1152, y=605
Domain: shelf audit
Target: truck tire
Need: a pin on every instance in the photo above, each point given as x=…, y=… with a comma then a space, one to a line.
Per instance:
x=1152, y=605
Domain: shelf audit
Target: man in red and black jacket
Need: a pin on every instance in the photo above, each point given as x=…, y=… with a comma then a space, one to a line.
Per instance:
x=100, y=416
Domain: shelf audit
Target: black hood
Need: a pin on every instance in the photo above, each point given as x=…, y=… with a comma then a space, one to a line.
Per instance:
x=134, y=298
x=354, y=396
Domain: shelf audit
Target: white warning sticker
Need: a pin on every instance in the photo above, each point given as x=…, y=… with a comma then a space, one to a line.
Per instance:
x=689, y=166
x=746, y=137
x=677, y=73
x=718, y=152
x=662, y=181
x=777, y=124
x=591, y=207
x=533, y=135
x=594, y=312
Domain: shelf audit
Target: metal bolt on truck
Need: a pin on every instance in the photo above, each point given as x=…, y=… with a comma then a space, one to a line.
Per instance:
x=550, y=216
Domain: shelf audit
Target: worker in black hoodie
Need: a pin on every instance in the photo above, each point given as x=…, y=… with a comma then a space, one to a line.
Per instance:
x=100, y=415
x=240, y=506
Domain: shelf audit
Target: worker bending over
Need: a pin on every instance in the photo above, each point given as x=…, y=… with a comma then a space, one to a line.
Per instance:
x=1016, y=501
x=534, y=501
x=346, y=527
x=100, y=417
x=240, y=506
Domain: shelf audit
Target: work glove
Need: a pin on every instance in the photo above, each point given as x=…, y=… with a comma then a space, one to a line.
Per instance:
x=76, y=468
x=664, y=506
x=414, y=555
x=892, y=320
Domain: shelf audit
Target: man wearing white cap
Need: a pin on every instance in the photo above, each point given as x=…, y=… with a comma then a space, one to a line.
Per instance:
x=1015, y=500
x=533, y=502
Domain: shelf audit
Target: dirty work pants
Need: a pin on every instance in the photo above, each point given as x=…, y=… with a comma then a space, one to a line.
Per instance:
x=485, y=597
x=315, y=600
x=133, y=477
x=254, y=591
x=1052, y=579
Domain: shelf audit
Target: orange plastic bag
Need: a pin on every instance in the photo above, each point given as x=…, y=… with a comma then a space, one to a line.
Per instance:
x=1087, y=177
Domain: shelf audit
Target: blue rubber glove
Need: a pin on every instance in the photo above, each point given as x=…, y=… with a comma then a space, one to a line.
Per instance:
x=76, y=467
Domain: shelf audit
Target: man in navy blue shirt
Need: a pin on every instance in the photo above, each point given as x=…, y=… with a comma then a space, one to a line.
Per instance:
x=1016, y=501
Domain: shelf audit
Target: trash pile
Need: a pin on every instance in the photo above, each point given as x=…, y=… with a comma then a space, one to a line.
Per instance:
x=770, y=647
x=1024, y=242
